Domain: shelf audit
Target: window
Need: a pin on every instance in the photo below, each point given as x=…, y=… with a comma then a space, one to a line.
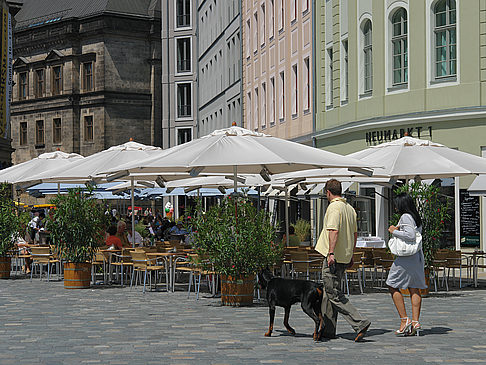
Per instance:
x=23, y=85
x=23, y=133
x=264, y=105
x=345, y=77
x=256, y=114
x=272, y=95
x=295, y=96
x=262, y=25
x=305, y=5
x=307, y=90
x=272, y=17
x=445, y=38
x=329, y=78
x=39, y=132
x=255, y=32
x=56, y=80
x=281, y=16
x=183, y=13
x=184, y=135
x=184, y=102
x=248, y=32
x=183, y=55
x=40, y=82
x=367, y=57
x=281, y=99
x=400, y=47
x=293, y=9
x=57, y=131
x=88, y=76
x=88, y=128
x=249, y=106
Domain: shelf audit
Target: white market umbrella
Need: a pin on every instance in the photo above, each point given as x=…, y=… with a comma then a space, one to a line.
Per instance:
x=478, y=186
x=240, y=150
x=408, y=157
x=44, y=163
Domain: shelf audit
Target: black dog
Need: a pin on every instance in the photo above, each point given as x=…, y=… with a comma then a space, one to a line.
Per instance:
x=286, y=292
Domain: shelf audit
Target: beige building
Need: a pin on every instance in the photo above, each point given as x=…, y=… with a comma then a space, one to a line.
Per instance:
x=277, y=67
x=393, y=66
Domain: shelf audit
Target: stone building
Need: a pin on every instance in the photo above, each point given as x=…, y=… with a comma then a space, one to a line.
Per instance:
x=87, y=76
x=219, y=57
x=179, y=71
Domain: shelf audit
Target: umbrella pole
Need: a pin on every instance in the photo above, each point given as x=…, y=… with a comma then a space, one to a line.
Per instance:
x=58, y=188
x=287, y=215
x=235, y=182
x=132, y=192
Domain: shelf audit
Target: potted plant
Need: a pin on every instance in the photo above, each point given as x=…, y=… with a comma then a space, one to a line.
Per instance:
x=9, y=229
x=434, y=211
x=77, y=229
x=302, y=230
x=235, y=240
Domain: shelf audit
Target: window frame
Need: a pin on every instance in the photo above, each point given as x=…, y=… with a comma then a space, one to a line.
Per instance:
x=54, y=79
x=344, y=70
x=40, y=131
x=177, y=39
x=39, y=93
x=23, y=139
x=176, y=16
x=24, y=97
x=191, y=106
x=86, y=129
x=447, y=28
x=84, y=76
x=329, y=78
x=56, y=130
x=363, y=90
x=402, y=40
x=178, y=129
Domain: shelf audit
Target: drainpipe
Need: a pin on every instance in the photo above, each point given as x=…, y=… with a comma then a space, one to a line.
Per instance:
x=241, y=65
x=314, y=40
x=168, y=75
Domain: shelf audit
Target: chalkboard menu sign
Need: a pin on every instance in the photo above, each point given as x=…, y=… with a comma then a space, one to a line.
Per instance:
x=470, y=219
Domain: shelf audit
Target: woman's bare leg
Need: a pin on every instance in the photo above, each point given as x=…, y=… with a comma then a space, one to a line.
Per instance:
x=400, y=305
x=416, y=300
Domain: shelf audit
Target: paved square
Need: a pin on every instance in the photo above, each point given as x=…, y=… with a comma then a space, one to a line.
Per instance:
x=43, y=323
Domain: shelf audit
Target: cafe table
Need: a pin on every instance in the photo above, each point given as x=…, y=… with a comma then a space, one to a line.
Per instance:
x=169, y=258
x=474, y=258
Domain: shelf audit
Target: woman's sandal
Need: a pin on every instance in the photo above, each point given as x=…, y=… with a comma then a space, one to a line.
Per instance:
x=415, y=329
x=406, y=330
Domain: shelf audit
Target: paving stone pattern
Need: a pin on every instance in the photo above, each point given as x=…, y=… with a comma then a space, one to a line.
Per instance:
x=43, y=323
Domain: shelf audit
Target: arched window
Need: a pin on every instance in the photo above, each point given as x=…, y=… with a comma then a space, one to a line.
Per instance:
x=445, y=38
x=367, y=56
x=400, y=47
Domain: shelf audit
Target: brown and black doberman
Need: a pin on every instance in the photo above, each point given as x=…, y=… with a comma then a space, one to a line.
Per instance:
x=286, y=292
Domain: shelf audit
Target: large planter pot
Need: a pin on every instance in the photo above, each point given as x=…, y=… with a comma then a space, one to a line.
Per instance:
x=237, y=291
x=5, y=265
x=77, y=275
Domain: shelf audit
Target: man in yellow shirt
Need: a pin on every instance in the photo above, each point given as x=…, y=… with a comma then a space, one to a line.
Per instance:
x=336, y=243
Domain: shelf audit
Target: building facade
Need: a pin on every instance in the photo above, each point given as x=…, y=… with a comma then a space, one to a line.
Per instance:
x=87, y=76
x=179, y=71
x=219, y=58
x=392, y=67
x=277, y=68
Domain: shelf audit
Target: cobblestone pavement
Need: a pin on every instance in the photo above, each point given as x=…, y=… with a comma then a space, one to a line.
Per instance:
x=43, y=323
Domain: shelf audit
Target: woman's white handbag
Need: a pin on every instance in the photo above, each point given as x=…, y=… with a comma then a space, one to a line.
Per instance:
x=399, y=247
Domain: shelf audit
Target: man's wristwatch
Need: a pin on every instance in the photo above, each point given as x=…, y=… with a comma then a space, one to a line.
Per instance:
x=331, y=253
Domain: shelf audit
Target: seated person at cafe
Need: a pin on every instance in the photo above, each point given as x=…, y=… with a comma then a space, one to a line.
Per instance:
x=122, y=234
x=138, y=238
x=294, y=241
x=112, y=239
x=177, y=230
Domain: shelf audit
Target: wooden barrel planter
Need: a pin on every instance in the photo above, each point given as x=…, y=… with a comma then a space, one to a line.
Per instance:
x=237, y=291
x=77, y=275
x=5, y=265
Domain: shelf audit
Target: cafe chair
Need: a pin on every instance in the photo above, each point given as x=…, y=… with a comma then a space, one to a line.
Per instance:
x=355, y=269
x=42, y=256
x=142, y=264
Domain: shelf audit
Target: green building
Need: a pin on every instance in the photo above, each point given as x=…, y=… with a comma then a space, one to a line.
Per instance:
x=387, y=67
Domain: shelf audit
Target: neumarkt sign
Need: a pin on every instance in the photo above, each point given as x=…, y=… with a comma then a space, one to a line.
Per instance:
x=387, y=135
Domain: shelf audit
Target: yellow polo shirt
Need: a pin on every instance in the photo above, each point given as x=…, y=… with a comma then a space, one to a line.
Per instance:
x=340, y=216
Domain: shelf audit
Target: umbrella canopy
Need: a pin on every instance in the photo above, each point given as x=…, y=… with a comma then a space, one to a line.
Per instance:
x=408, y=157
x=250, y=152
x=90, y=167
x=128, y=185
x=44, y=163
x=478, y=187
x=216, y=181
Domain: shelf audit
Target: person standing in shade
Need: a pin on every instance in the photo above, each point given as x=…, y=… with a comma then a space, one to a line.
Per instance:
x=336, y=243
x=407, y=272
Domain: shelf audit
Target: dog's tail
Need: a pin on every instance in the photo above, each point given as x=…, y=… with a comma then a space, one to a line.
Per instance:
x=264, y=277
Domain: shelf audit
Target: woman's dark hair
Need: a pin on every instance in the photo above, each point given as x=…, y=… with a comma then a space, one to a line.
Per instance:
x=405, y=204
x=111, y=230
x=291, y=230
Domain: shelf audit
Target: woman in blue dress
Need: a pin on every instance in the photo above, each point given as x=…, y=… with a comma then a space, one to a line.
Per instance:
x=407, y=272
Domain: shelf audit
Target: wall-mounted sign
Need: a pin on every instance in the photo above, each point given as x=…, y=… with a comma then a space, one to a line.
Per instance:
x=387, y=135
